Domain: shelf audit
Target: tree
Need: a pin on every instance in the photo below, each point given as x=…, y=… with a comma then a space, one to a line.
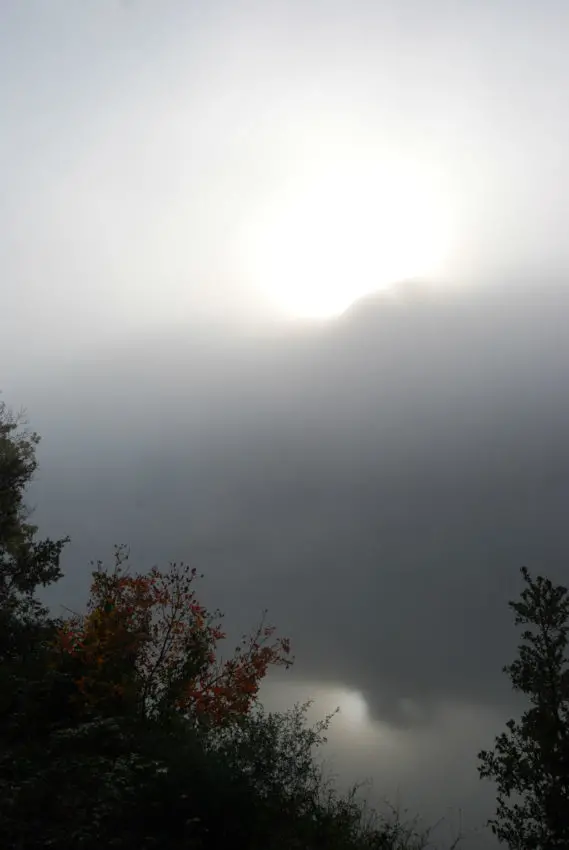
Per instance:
x=294, y=798
x=123, y=727
x=147, y=645
x=25, y=563
x=530, y=762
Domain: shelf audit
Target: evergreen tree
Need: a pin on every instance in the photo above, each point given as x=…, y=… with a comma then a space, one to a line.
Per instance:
x=26, y=563
x=530, y=761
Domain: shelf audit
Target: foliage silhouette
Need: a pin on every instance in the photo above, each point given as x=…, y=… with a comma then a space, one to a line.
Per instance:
x=530, y=762
x=124, y=728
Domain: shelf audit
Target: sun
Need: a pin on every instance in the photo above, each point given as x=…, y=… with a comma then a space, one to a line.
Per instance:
x=326, y=240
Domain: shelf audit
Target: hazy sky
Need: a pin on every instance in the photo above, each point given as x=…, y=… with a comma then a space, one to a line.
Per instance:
x=182, y=183
x=144, y=144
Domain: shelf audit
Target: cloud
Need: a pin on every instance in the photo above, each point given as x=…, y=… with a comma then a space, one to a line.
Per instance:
x=376, y=484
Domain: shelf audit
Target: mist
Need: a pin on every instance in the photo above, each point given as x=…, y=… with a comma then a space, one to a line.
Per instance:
x=375, y=483
x=375, y=480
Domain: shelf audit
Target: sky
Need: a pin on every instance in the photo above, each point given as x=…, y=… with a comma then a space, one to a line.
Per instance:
x=283, y=288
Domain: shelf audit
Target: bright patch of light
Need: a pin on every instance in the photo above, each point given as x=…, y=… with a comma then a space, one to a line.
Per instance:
x=329, y=239
x=353, y=707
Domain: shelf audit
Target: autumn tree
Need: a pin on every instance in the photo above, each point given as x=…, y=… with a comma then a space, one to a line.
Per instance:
x=147, y=645
x=530, y=761
x=125, y=727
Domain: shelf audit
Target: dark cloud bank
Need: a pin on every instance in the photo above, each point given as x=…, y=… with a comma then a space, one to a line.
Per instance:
x=376, y=482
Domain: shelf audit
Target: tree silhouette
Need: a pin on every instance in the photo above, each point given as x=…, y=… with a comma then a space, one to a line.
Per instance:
x=25, y=562
x=530, y=761
x=125, y=728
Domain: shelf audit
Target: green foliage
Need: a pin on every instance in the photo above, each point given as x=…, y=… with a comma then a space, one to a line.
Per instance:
x=530, y=762
x=25, y=563
x=138, y=786
x=298, y=803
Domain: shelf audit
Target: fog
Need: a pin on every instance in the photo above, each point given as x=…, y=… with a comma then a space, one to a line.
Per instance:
x=375, y=480
x=376, y=484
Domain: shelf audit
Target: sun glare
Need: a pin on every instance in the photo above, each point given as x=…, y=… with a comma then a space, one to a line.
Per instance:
x=326, y=242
